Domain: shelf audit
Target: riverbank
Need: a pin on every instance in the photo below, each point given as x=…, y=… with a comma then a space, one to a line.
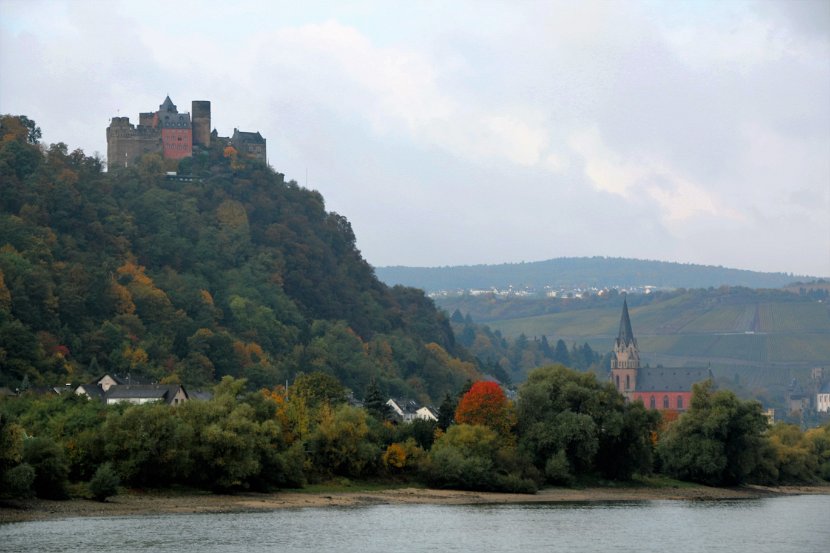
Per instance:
x=152, y=503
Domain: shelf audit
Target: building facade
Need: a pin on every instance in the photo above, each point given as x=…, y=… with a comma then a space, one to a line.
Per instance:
x=658, y=388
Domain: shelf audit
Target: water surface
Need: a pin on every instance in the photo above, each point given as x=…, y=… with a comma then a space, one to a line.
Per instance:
x=774, y=525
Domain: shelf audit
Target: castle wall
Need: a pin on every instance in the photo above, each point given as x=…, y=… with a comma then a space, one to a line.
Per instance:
x=178, y=142
x=126, y=143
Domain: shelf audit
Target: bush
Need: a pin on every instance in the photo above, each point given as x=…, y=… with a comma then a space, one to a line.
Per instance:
x=105, y=482
x=51, y=470
x=17, y=481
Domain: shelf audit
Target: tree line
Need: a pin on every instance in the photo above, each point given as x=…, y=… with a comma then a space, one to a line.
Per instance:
x=564, y=427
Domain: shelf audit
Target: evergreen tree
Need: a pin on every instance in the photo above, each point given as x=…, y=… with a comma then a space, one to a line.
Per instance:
x=561, y=354
x=446, y=412
x=374, y=401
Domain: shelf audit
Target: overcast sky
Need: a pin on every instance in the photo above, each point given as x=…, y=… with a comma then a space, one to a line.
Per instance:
x=453, y=132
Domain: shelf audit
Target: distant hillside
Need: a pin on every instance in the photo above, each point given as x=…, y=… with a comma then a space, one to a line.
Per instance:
x=755, y=338
x=582, y=272
x=231, y=272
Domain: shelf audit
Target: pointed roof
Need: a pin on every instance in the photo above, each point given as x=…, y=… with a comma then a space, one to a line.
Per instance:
x=168, y=105
x=626, y=335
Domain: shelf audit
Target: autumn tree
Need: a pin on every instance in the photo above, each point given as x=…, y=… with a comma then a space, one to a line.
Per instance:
x=485, y=404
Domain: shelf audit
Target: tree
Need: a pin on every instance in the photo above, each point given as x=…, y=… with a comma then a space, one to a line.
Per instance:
x=339, y=445
x=50, y=467
x=374, y=401
x=718, y=441
x=485, y=404
x=475, y=457
x=446, y=412
x=571, y=424
x=318, y=388
x=105, y=482
x=561, y=354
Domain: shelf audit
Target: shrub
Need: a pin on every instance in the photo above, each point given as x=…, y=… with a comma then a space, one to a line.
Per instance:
x=18, y=480
x=105, y=482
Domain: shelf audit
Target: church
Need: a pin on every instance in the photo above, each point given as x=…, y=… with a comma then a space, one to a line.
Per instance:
x=658, y=388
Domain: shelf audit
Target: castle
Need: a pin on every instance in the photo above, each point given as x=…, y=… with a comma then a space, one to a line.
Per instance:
x=173, y=135
x=660, y=388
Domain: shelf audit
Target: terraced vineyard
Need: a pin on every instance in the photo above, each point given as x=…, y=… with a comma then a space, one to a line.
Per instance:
x=759, y=341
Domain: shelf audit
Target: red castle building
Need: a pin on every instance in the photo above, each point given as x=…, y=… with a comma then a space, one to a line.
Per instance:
x=658, y=388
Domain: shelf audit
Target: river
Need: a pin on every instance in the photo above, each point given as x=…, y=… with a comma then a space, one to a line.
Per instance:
x=773, y=525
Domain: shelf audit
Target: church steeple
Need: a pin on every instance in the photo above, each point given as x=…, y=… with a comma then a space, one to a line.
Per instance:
x=626, y=336
x=626, y=360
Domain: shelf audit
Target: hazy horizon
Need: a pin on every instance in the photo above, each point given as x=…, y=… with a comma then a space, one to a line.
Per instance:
x=470, y=133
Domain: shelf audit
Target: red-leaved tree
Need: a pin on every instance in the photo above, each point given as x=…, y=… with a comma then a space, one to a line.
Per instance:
x=486, y=404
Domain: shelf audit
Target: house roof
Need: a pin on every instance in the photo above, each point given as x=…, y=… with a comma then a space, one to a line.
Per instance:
x=825, y=388
x=92, y=390
x=144, y=391
x=625, y=337
x=669, y=380
x=117, y=379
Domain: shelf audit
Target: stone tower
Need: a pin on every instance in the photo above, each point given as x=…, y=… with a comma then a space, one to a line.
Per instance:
x=201, y=123
x=626, y=360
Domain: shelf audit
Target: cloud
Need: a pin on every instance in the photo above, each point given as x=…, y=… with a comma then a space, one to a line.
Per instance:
x=484, y=131
x=636, y=177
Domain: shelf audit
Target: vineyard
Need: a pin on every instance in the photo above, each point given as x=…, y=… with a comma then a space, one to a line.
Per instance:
x=762, y=342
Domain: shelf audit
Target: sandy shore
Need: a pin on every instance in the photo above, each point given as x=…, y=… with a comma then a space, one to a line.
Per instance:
x=162, y=503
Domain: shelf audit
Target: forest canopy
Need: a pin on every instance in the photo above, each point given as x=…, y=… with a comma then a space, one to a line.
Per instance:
x=231, y=272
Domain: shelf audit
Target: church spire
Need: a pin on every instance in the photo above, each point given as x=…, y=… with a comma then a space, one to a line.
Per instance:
x=626, y=335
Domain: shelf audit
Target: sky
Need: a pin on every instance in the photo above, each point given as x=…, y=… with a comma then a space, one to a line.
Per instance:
x=456, y=133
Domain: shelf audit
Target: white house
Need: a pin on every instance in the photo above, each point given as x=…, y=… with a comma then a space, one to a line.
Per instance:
x=823, y=399
x=171, y=394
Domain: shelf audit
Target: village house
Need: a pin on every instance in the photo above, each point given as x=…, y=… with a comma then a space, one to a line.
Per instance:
x=823, y=398
x=111, y=389
x=409, y=411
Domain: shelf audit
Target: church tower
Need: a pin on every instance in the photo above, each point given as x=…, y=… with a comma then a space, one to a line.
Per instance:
x=626, y=360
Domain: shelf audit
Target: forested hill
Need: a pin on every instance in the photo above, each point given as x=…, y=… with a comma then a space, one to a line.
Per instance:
x=583, y=272
x=235, y=272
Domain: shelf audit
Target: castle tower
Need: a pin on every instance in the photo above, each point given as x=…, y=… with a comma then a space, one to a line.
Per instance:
x=626, y=360
x=201, y=123
x=176, y=131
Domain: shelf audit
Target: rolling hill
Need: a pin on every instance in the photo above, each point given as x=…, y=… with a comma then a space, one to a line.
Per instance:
x=581, y=272
x=765, y=337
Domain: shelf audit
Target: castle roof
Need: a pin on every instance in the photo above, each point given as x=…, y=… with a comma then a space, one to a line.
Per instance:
x=168, y=105
x=625, y=337
x=247, y=137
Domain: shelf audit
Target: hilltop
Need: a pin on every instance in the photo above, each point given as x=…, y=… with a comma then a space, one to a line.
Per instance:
x=229, y=270
x=580, y=272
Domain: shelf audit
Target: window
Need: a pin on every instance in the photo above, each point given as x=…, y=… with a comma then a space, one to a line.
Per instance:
x=665, y=402
x=680, y=402
x=652, y=403
x=627, y=382
x=617, y=378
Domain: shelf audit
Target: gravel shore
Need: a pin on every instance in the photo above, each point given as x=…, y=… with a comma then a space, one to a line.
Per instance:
x=151, y=503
